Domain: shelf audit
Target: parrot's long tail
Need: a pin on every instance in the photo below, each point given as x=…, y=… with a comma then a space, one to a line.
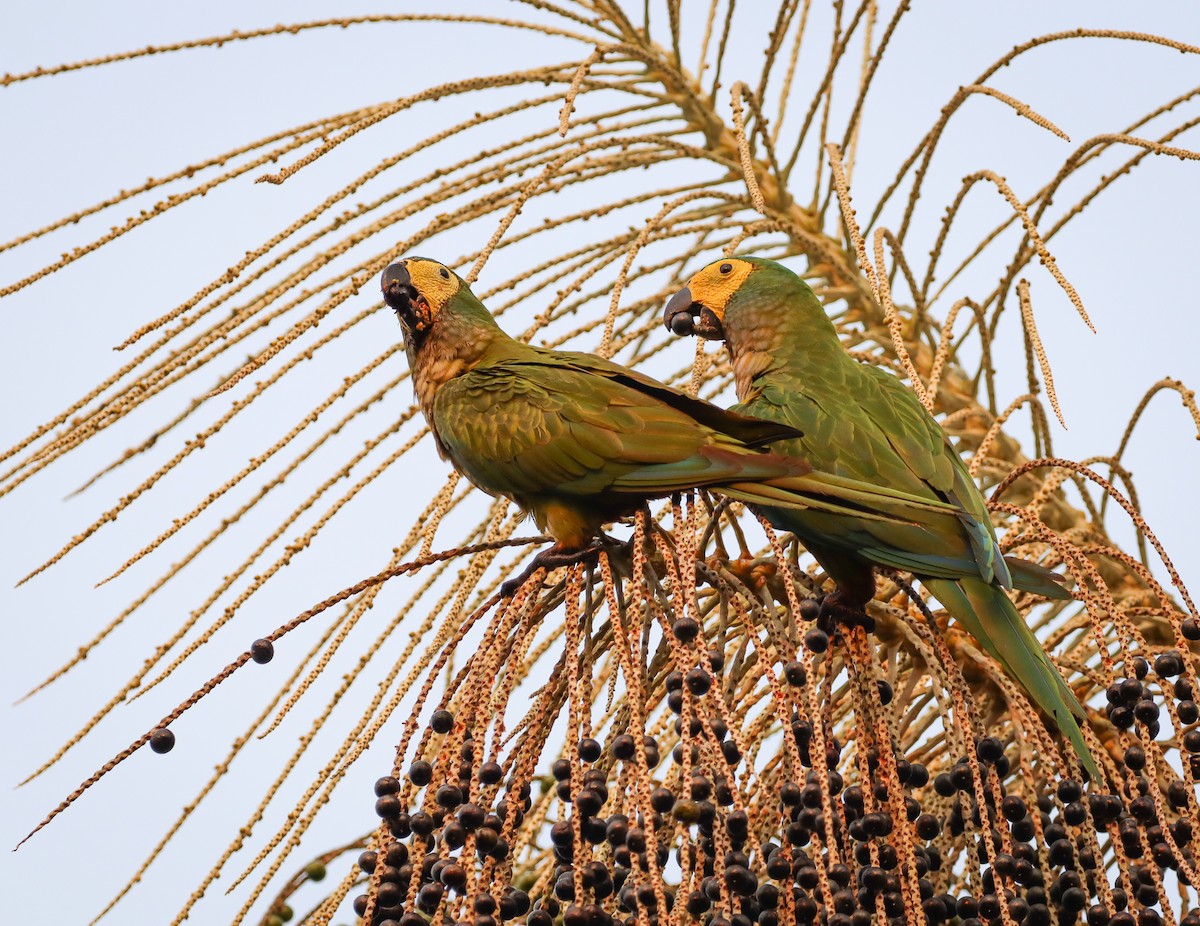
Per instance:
x=991, y=618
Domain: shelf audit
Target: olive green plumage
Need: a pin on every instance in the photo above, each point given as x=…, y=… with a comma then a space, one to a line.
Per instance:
x=861, y=422
x=577, y=441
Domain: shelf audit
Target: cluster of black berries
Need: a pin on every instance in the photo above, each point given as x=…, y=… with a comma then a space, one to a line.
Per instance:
x=448, y=823
x=1039, y=865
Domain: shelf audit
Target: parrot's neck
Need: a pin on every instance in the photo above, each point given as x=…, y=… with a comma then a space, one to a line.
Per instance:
x=455, y=344
x=776, y=335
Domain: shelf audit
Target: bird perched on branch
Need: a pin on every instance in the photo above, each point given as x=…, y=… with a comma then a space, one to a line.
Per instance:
x=577, y=441
x=861, y=422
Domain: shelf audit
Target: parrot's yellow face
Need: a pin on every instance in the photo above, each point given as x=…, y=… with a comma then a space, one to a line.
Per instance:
x=713, y=286
x=699, y=308
x=418, y=289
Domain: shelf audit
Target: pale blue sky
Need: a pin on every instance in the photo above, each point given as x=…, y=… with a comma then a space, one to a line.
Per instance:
x=72, y=139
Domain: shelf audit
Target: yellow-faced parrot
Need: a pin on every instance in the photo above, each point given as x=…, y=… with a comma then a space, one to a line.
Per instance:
x=862, y=423
x=577, y=441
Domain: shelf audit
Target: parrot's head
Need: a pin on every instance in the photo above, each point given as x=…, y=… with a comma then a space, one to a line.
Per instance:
x=418, y=289
x=703, y=306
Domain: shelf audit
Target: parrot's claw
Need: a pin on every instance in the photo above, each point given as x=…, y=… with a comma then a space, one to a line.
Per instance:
x=835, y=610
x=557, y=556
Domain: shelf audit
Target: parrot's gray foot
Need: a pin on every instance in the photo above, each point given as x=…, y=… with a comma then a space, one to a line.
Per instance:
x=836, y=609
x=557, y=556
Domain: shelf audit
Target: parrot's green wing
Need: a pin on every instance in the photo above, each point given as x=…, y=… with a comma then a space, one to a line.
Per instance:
x=876, y=431
x=527, y=427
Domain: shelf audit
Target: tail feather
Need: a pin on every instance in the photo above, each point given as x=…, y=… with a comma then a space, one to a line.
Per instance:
x=836, y=495
x=989, y=616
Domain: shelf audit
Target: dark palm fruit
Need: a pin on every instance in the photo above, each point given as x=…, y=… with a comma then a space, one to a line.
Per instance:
x=367, y=861
x=454, y=834
x=589, y=750
x=872, y=877
x=1013, y=808
x=1188, y=711
x=989, y=749
x=1168, y=664
x=1146, y=711
x=1023, y=830
x=697, y=903
x=795, y=675
x=1060, y=853
x=662, y=800
x=1075, y=813
x=701, y=787
x=442, y=721
x=944, y=785
x=962, y=777
x=1069, y=790
x=885, y=691
x=816, y=640
x=685, y=629
x=779, y=867
x=162, y=740
x=386, y=785
x=928, y=826
x=617, y=829
x=430, y=895
x=740, y=880
x=588, y=802
x=594, y=830
x=420, y=773
x=262, y=651
x=388, y=806
x=449, y=796
x=400, y=826
x=622, y=747
x=698, y=681
x=1191, y=629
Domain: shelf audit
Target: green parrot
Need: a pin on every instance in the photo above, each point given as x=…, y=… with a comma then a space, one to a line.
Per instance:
x=862, y=423
x=577, y=441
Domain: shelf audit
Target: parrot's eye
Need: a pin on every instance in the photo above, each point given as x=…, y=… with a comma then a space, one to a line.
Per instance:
x=725, y=268
x=445, y=273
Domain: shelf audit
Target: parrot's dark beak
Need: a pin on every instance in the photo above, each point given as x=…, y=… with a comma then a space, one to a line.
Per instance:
x=684, y=316
x=399, y=292
x=679, y=315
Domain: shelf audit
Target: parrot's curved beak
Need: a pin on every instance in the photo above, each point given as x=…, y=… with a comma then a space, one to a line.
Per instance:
x=684, y=316
x=399, y=292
